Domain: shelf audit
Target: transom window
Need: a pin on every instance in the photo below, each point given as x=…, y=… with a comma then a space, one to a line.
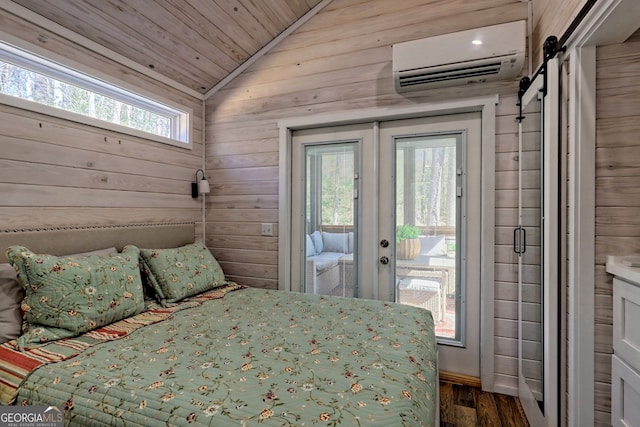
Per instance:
x=32, y=82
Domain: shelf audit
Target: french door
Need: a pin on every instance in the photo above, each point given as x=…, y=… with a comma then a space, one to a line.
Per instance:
x=391, y=211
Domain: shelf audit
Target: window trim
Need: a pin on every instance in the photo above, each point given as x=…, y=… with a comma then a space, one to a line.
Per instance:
x=32, y=57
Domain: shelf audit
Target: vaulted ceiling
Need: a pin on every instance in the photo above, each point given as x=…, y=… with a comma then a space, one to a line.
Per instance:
x=196, y=43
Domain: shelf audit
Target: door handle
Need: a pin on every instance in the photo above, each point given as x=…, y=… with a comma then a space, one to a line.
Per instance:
x=384, y=243
x=384, y=260
x=519, y=240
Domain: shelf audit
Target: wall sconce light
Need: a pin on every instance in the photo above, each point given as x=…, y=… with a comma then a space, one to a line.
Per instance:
x=200, y=187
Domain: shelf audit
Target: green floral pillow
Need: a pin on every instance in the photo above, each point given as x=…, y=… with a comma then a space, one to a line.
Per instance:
x=67, y=296
x=178, y=273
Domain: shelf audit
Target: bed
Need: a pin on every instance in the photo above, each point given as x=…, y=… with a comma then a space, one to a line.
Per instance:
x=222, y=354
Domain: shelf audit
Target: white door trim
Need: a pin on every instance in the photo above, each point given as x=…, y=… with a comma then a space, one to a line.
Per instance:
x=610, y=21
x=581, y=239
x=486, y=105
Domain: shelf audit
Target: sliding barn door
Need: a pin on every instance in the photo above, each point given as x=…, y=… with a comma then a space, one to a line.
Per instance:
x=536, y=241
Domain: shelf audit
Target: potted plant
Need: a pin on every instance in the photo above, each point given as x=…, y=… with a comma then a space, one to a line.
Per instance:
x=407, y=242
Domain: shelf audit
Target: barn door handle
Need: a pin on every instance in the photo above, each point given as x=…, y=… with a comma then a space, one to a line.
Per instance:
x=519, y=240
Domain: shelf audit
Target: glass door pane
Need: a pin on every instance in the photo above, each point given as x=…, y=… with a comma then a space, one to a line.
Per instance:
x=427, y=185
x=330, y=216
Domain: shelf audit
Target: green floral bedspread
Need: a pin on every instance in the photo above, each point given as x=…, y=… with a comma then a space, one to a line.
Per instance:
x=255, y=357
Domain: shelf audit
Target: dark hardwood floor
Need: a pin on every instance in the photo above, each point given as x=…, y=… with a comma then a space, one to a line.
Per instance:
x=463, y=406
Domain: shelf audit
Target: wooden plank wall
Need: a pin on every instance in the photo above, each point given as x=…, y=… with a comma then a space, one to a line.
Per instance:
x=617, y=192
x=551, y=18
x=340, y=61
x=54, y=172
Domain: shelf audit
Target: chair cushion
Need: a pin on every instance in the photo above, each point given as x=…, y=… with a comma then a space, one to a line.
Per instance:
x=335, y=242
x=317, y=241
x=326, y=260
x=311, y=248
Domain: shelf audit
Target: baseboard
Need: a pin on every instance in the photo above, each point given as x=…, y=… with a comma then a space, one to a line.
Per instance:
x=450, y=377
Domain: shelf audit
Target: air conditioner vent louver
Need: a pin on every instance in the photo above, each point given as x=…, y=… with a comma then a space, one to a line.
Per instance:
x=472, y=56
x=455, y=74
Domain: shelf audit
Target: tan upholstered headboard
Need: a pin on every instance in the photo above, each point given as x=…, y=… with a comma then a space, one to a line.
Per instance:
x=71, y=240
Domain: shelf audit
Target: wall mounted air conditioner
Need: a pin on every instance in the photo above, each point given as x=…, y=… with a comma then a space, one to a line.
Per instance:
x=472, y=56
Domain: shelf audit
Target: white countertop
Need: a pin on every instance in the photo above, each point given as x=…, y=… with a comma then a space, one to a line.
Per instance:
x=625, y=267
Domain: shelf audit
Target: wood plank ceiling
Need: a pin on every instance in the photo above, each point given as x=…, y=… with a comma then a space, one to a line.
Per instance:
x=194, y=42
